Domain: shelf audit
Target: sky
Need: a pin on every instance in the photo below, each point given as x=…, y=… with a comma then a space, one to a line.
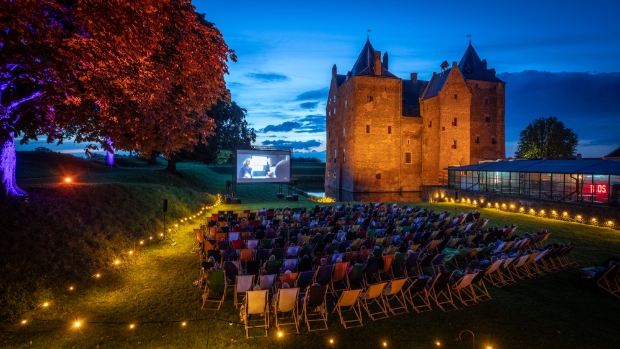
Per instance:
x=558, y=58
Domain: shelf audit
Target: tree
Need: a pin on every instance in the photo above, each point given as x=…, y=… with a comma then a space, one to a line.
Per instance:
x=231, y=132
x=546, y=138
x=138, y=75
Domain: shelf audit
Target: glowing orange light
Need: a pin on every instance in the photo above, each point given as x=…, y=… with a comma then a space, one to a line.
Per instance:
x=132, y=326
x=46, y=304
x=130, y=252
x=183, y=323
x=97, y=275
x=24, y=322
x=71, y=288
x=77, y=324
x=67, y=179
x=117, y=262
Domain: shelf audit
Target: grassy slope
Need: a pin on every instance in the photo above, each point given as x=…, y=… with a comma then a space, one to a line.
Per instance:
x=153, y=288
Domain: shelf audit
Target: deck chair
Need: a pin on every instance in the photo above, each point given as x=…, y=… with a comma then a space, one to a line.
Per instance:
x=232, y=269
x=289, y=278
x=610, y=281
x=439, y=292
x=215, y=290
x=371, y=272
x=464, y=291
x=252, y=267
x=425, y=262
x=432, y=246
x=416, y=295
x=374, y=296
x=256, y=303
x=356, y=276
x=244, y=283
x=290, y=264
x=518, y=269
x=323, y=275
x=349, y=303
x=480, y=289
x=266, y=282
x=356, y=244
x=306, y=250
x=292, y=252
x=339, y=281
x=494, y=275
x=253, y=244
x=436, y=262
x=398, y=266
x=315, y=307
x=395, y=297
x=200, y=240
x=286, y=302
x=506, y=267
x=349, y=256
x=537, y=267
x=273, y=267
x=304, y=279
x=388, y=260
x=412, y=266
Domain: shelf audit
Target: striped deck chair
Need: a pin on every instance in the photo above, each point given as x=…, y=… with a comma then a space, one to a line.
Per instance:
x=349, y=303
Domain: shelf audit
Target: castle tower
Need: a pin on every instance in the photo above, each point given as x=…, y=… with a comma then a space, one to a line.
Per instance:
x=386, y=134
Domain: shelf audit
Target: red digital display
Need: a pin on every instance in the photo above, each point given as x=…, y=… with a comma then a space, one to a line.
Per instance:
x=595, y=189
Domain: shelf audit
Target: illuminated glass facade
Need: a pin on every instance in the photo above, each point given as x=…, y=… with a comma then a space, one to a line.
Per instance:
x=587, y=181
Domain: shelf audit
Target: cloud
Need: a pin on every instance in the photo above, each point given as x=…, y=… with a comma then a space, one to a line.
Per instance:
x=234, y=84
x=307, y=124
x=286, y=126
x=611, y=141
x=314, y=95
x=308, y=105
x=297, y=145
x=267, y=77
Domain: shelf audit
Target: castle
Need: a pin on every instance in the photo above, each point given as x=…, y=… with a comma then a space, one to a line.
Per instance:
x=386, y=134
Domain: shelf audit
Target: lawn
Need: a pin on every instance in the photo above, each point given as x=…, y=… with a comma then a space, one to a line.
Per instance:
x=153, y=287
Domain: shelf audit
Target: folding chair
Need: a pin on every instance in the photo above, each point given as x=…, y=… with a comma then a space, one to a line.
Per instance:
x=398, y=266
x=289, y=278
x=463, y=289
x=290, y=264
x=273, y=267
x=200, y=240
x=374, y=295
x=480, y=289
x=416, y=291
x=252, y=267
x=436, y=262
x=356, y=276
x=232, y=269
x=371, y=272
x=244, y=283
x=215, y=290
x=256, y=303
x=315, y=307
x=387, y=267
x=323, y=275
x=439, y=291
x=610, y=281
x=412, y=266
x=253, y=244
x=304, y=279
x=494, y=275
x=394, y=292
x=339, y=276
x=266, y=282
x=286, y=302
x=349, y=303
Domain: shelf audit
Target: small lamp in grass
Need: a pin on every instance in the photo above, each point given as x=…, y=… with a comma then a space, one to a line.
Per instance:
x=45, y=305
x=24, y=322
x=68, y=179
x=280, y=334
x=77, y=324
x=132, y=326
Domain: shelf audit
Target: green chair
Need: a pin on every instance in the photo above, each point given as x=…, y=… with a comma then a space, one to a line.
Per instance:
x=215, y=290
x=278, y=252
x=266, y=243
x=306, y=250
x=273, y=267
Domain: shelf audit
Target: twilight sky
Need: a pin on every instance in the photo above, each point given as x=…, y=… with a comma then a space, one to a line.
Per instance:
x=286, y=49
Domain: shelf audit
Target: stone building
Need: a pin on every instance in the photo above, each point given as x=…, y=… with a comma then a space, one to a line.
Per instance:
x=386, y=134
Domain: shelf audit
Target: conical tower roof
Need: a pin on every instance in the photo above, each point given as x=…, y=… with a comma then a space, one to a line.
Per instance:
x=364, y=65
x=473, y=68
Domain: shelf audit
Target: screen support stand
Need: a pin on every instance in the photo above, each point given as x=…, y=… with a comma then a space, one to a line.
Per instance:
x=280, y=194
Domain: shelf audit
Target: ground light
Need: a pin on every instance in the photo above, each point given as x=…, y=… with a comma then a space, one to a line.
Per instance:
x=132, y=326
x=183, y=323
x=70, y=288
x=280, y=334
x=331, y=341
x=438, y=343
x=67, y=179
x=77, y=324
x=24, y=322
x=45, y=305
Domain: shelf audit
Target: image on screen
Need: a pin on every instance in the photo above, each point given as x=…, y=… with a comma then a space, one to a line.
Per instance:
x=254, y=166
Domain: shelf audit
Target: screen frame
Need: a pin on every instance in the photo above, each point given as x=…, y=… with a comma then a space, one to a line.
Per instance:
x=279, y=154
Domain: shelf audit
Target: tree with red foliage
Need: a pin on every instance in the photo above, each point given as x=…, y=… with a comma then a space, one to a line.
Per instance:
x=140, y=75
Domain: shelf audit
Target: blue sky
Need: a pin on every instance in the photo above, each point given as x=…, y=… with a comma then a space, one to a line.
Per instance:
x=286, y=49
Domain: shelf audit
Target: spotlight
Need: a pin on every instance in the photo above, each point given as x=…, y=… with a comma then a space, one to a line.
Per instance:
x=438, y=343
x=117, y=262
x=67, y=179
x=45, y=305
x=132, y=326
x=280, y=334
x=70, y=288
x=77, y=324
x=183, y=323
x=130, y=252
x=24, y=322
x=97, y=275
x=331, y=341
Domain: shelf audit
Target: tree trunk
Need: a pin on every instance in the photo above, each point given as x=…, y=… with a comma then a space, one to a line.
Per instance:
x=172, y=165
x=109, y=156
x=153, y=158
x=7, y=167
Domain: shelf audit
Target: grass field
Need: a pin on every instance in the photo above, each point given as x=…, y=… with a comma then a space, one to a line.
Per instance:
x=152, y=288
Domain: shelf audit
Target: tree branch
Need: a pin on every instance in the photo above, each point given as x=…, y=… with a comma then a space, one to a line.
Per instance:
x=22, y=100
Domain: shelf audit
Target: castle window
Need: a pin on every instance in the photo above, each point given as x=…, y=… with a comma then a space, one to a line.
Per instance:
x=456, y=96
x=334, y=98
x=334, y=111
x=367, y=128
x=378, y=176
x=369, y=99
x=487, y=119
x=407, y=158
x=454, y=122
x=344, y=155
x=476, y=85
x=477, y=141
x=344, y=132
x=334, y=174
x=329, y=113
x=454, y=144
x=443, y=128
x=335, y=154
x=389, y=129
x=407, y=141
x=486, y=101
x=430, y=124
x=493, y=141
